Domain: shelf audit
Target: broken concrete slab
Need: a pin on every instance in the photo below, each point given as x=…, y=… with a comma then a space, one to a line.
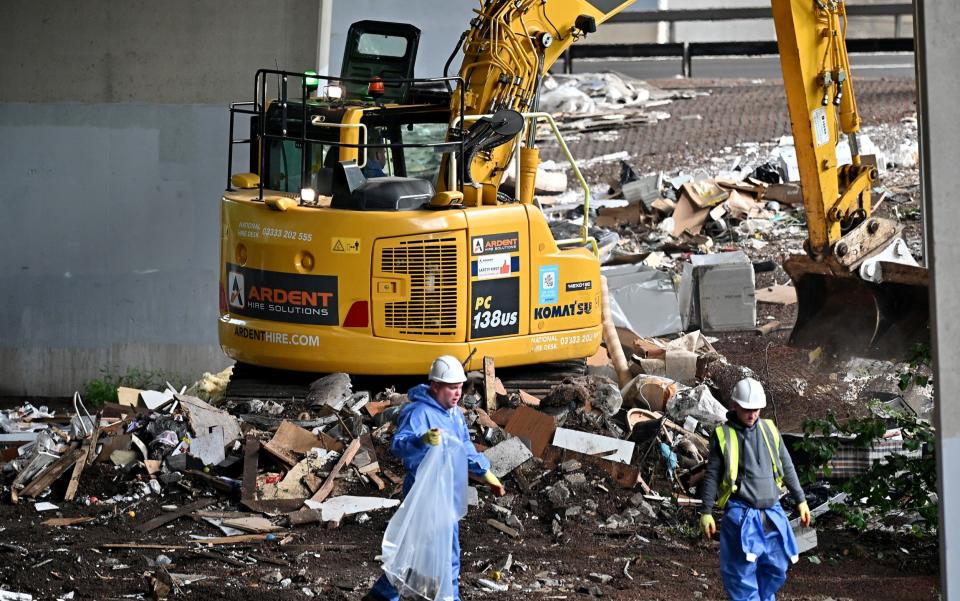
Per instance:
x=596, y=445
x=330, y=393
x=202, y=416
x=334, y=509
x=208, y=447
x=507, y=456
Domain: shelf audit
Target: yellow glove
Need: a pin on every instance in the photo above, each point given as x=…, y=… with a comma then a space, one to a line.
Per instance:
x=496, y=487
x=708, y=526
x=804, y=514
x=432, y=437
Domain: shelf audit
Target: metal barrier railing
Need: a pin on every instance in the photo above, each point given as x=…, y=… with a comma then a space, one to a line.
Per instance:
x=688, y=50
x=258, y=108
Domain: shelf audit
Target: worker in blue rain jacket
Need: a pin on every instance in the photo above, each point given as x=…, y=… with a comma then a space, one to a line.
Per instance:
x=434, y=408
x=747, y=468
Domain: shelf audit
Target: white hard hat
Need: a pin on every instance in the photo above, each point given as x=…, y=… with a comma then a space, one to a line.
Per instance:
x=447, y=369
x=748, y=393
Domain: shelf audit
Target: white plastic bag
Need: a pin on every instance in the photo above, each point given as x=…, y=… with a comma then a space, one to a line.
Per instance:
x=418, y=543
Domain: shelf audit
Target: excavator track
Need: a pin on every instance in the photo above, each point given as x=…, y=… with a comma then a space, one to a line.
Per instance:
x=250, y=382
x=539, y=379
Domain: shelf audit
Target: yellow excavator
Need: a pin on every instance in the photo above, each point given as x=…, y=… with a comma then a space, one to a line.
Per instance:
x=371, y=233
x=859, y=289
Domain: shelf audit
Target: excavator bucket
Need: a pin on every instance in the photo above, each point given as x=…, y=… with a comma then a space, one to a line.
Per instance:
x=850, y=316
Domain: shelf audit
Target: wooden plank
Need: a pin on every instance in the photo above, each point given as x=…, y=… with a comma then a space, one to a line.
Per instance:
x=380, y=484
x=489, y=384
x=232, y=540
x=345, y=460
x=67, y=521
x=173, y=515
x=511, y=532
x=248, y=489
x=217, y=557
x=142, y=546
x=51, y=474
x=253, y=524
x=86, y=450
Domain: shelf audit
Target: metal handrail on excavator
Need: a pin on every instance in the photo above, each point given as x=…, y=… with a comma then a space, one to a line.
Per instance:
x=531, y=122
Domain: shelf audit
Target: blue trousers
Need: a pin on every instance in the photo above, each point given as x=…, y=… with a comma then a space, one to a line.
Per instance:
x=383, y=588
x=761, y=578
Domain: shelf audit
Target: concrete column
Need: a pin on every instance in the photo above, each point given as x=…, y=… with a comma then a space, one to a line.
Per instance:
x=938, y=87
x=324, y=18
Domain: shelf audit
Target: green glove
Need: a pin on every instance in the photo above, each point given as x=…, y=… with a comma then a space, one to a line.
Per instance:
x=804, y=510
x=496, y=487
x=708, y=526
x=432, y=437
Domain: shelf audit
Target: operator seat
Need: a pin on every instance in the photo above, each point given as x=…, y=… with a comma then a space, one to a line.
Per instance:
x=354, y=192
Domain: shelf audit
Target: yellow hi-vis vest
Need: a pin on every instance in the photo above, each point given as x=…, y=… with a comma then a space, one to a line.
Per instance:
x=730, y=448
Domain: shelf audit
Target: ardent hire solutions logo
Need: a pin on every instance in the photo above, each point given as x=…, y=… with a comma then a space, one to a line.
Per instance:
x=235, y=285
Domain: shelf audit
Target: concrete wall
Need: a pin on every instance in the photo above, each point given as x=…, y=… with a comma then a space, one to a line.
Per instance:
x=113, y=129
x=758, y=29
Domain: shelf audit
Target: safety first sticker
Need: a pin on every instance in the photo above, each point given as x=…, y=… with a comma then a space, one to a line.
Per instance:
x=499, y=265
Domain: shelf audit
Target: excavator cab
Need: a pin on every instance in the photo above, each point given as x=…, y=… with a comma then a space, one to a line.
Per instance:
x=384, y=50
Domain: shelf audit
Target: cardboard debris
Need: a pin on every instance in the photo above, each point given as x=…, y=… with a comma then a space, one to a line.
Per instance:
x=254, y=524
x=704, y=194
x=291, y=442
x=533, y=427
x=778, y=294
x=688, y=217
x=129, y=397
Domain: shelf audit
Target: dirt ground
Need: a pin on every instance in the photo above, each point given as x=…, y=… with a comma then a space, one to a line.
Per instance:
x=660, y=559
x=564, y=551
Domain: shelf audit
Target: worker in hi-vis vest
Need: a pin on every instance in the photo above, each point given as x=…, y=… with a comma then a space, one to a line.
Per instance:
x=747, y=469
